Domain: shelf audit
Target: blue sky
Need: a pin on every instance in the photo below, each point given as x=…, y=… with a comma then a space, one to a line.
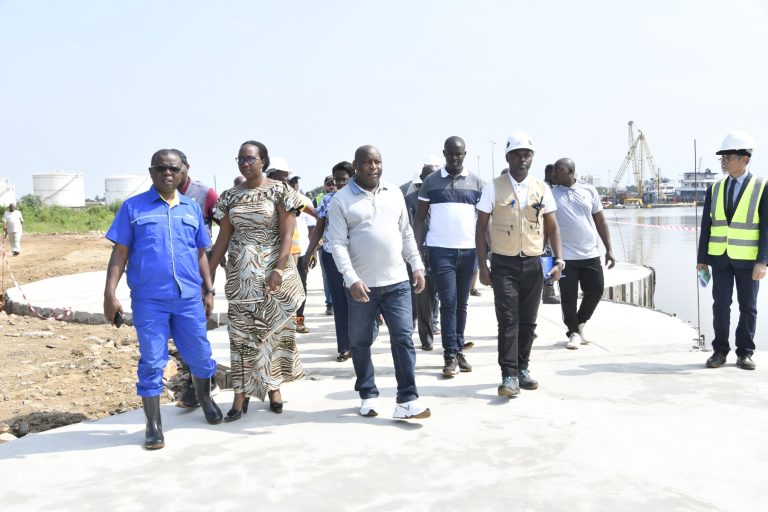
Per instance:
x=96, y=87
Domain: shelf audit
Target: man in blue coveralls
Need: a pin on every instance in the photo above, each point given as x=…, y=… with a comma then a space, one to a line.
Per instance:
x=161, y=236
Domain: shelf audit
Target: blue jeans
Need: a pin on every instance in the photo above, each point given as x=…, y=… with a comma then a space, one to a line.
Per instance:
x=394, y=301
x=452, y=271
x=157, y=320
x=336, y=284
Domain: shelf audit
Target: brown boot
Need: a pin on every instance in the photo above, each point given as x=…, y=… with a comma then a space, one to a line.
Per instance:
x=300, y=327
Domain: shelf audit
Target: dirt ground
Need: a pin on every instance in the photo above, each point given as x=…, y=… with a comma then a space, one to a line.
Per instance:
x=55, y=373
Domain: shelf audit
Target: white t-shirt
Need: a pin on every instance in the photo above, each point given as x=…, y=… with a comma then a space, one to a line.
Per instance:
x=12, y=221
x=303, y=222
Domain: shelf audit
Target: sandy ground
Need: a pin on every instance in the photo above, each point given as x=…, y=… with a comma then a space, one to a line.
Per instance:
x=54, y=373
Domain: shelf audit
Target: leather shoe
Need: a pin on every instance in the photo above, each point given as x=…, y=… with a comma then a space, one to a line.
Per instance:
x=526, y=381
x=716, y=360
x=427, y=346
x=745, y=363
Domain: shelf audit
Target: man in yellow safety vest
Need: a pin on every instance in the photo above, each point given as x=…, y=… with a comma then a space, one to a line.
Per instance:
x=734, y=242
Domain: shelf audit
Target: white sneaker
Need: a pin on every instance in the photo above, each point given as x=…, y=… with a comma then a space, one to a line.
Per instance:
x=411, y=410
x=574, y=341
x=584, y=340
x=368, y=408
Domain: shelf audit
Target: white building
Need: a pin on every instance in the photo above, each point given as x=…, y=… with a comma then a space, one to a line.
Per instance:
x=592, y=180
x=693, y=186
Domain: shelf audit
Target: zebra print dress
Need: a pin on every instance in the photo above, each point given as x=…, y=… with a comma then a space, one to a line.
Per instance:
x=262, y=325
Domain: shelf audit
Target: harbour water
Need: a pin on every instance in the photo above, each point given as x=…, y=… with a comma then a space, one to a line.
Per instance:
x=664, y=238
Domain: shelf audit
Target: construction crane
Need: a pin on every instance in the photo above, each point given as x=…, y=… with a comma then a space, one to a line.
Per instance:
x=639, y=155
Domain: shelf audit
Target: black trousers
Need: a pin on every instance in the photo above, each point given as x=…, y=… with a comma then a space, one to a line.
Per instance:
x=424, y=308
x=589, y=275
x=517, y=283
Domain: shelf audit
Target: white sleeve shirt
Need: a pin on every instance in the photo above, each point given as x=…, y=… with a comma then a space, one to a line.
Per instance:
x=488, y=197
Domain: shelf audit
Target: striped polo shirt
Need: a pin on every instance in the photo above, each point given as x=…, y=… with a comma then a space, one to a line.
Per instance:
x=452, y=203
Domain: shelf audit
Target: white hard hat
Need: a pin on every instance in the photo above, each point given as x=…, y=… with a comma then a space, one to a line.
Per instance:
x=737, y=141
x=518, y=140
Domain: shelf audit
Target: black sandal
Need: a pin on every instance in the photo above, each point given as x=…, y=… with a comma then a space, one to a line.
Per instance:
x=343, y=356
x=275, y=407
x=235, y=414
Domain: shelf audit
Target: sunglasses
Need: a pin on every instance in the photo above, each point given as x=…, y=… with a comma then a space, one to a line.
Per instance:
x=162, y=169
x=250, y=160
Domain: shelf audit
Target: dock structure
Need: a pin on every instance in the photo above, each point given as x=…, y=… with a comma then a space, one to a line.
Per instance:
x=632, y=422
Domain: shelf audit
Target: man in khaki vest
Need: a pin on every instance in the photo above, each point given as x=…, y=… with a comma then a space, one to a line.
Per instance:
x=523, y=212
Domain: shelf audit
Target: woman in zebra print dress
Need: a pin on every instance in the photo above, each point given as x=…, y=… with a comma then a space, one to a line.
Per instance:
x=263, y=287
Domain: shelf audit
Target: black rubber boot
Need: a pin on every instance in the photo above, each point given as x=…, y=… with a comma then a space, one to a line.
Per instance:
x=188, y=398
x=210, y=409
x=153, y=435
x=548, y=294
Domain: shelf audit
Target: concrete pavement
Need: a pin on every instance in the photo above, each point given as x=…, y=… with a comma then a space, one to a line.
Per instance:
x=632, y=422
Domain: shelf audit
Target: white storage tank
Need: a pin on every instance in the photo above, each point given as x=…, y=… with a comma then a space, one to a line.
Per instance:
x=7, y=192
x=60, y=188
x=120, y=188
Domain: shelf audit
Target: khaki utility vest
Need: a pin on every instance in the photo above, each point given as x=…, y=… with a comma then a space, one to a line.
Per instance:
x=515, y=232
x=739, y=239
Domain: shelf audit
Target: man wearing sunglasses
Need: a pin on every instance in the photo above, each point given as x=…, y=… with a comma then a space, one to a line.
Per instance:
x=160, y=241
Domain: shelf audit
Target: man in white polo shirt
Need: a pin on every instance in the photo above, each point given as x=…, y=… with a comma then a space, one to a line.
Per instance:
x=371, y=240
x=523, y=212
x=580, y=218
x=449, y=197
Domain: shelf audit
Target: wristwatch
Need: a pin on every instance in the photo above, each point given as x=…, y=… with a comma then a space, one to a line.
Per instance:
x=210, y=291
x=561, y=263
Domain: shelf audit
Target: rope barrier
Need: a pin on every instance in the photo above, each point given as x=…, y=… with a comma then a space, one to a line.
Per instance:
x=666, y=227
x=62, y=314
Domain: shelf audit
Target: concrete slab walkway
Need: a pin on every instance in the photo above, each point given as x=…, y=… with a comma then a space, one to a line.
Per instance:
x=632, y=422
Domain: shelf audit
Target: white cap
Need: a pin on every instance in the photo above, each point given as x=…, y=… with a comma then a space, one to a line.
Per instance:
x=518, y=140
x=432, y=160
x=278, y=163
x=737, y=141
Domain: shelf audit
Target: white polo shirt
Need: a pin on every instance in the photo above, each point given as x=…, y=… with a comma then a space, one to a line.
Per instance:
x=452, y=202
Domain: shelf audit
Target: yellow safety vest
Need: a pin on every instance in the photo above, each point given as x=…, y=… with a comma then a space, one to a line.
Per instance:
x=738, y=239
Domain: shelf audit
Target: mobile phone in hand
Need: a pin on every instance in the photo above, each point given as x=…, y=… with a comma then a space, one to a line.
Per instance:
x=119, y=319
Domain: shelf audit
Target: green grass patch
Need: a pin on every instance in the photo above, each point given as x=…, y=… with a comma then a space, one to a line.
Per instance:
x=58, y=219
